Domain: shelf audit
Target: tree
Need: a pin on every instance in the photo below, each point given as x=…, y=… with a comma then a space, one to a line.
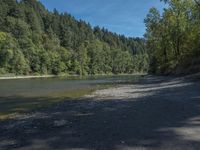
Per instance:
x=36, y=41
x=173, y=39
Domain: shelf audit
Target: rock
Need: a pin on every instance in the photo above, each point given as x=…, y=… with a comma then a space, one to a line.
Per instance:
x=59, y=123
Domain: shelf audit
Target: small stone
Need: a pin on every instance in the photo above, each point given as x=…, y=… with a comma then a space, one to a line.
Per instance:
x=59, y=123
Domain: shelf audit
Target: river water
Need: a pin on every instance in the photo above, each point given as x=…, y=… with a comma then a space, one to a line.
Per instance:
x=22, y=95
x=51, y=86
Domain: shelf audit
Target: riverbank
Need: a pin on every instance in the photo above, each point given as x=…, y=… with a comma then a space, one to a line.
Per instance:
x=26, y=77
x=63, y=75
x=145, y=87
x=154, y=113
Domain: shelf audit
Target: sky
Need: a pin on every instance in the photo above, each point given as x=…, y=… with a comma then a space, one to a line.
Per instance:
x=121, y=16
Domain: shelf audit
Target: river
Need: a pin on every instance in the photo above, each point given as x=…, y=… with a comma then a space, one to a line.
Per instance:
x=21, y=95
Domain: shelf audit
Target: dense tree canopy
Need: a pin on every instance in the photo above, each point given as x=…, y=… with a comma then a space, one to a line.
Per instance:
x=34, y=40
x=173, y=38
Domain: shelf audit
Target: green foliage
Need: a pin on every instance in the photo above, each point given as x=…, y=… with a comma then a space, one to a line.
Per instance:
x=36, y=41
x=173, y=37
x=12, y=59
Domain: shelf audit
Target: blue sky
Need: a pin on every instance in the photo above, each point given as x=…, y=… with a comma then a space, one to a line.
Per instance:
x=120, y=16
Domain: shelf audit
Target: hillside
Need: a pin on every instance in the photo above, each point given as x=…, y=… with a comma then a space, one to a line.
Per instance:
x=34, y=40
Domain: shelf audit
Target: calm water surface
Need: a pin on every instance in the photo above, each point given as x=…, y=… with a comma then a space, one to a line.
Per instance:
x=51, y=86
x=24, y=95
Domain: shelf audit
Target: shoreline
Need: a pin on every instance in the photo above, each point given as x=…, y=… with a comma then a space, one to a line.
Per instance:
x=52, y=76
x=27, y=77
x=155, y=110
x=191, y=76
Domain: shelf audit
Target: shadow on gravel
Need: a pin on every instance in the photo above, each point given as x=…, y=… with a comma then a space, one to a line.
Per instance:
x=167, y=120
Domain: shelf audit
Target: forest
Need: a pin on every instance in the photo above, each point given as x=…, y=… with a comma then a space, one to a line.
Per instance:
x=36, y=41
x=173, y=38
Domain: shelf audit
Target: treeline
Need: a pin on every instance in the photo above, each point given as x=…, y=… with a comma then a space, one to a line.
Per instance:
x=34, y=40
x=173, y=38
